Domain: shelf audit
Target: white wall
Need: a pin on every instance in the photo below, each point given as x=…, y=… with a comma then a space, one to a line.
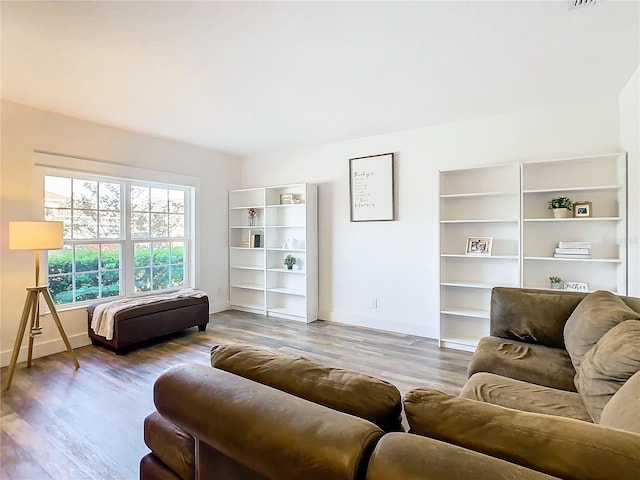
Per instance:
x=397, y=262
x=24, y=130
x=630, y=141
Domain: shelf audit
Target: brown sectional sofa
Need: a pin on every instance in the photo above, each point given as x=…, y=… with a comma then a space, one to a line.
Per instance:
x=262, y=415
x=525, y=412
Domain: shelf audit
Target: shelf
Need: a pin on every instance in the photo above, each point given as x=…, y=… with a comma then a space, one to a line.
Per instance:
x=248, y=267
x=490, y=220
x=286, y=270
x=285, y=205
x=250, y=306
x=465, y=312
x=248, y=286
x=285, y=249
x=600, y=188
x=586, y=260
x=478, y=195
x=247, y=248
x=285, y=226
x=288, y=312
x=573, y=219
x=465, y=284
x=486, y=257
x=254, y=227
x=287, y=291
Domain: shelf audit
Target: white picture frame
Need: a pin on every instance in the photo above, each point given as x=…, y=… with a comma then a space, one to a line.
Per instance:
x=478, y=246
x=576, y=286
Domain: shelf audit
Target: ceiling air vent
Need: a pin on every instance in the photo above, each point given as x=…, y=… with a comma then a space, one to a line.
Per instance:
x=573, y=4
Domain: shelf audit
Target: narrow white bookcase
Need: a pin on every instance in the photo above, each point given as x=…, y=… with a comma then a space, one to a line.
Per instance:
x=509, y=203
x=286, y=222
x=478, y=202
x=600, y=180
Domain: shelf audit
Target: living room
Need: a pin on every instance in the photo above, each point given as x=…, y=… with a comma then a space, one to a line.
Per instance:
x=396, y=263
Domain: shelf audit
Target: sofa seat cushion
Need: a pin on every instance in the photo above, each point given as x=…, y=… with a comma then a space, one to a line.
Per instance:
x=360, y=395
x=623, y=410
x=563, y=447
x=608, y=365
x=403, y=456
x=170, y=444
x=539, y=364
x=594, y=316
x=519, y=395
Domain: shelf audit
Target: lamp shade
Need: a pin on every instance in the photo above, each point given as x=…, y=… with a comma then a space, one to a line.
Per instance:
x=35, y=235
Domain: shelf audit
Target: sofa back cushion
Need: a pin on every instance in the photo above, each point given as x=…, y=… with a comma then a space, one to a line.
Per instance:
x=360, y=395
x=532, y=316
x=592, y=318
x=623, y=410
x=608, y=366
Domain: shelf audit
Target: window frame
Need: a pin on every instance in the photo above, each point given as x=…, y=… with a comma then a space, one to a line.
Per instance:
x=126, y=242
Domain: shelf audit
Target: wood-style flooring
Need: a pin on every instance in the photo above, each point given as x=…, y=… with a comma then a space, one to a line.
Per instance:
x=59, y=423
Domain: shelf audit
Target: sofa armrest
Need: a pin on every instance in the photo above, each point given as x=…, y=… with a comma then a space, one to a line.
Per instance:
x=563, y=447
x=402, y=456
x=532, y=316
x=272, y=433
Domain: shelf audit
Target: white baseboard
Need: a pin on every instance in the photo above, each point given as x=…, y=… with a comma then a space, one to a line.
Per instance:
x=218, y=307
x=45, y=348
x=375, y=323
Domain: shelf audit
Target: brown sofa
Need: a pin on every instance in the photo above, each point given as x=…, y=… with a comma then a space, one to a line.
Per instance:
x=555, y=388
x=262, y=415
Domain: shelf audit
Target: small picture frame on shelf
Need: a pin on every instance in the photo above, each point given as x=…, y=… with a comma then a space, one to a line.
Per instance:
x=478, y=246
x=576, y=286
x=286, y=198
x=582, y=209
x=296, y=198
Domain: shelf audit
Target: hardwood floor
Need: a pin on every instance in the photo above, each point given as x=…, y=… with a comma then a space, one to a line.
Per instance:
x=58, y=423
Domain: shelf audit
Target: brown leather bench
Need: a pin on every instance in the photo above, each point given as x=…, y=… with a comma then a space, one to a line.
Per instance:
x=145, y=322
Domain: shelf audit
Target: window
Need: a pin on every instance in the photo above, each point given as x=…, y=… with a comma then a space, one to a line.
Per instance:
x=121, y=237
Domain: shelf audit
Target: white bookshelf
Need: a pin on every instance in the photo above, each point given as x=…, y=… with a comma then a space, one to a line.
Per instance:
x=258, y=280
x=509, y=204
x=478, y=202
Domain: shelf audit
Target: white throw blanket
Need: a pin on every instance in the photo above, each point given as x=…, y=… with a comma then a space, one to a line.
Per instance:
x=103, y=314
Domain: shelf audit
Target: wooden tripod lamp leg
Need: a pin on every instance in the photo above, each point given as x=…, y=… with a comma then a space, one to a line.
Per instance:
x=56, y=318
x=29, y=305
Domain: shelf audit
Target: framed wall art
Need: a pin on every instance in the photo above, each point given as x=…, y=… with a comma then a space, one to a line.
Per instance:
x=371, y=188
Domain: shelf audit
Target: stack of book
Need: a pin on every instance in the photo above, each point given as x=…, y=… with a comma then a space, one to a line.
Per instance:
x=573, y=250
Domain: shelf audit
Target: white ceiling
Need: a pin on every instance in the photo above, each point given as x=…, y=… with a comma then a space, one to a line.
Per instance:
x=250, y=77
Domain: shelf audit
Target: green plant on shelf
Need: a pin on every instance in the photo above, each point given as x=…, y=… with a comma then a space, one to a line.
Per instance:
x=560, y=202
x=555, y=279
x=289, y=261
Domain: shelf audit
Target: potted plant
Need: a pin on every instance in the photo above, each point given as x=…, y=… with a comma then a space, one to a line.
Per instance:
x=561, y=206
x=289, y=261
x=555, y=282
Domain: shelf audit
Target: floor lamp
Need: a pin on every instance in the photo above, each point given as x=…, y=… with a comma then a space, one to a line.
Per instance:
x=35, y=236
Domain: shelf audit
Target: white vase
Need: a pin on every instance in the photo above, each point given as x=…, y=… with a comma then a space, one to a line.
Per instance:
x=561, y=212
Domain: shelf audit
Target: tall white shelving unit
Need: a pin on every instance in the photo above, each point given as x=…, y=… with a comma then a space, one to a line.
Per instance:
x=600, y=180
x=478, y=202
x=259, y=282
x=509, y=204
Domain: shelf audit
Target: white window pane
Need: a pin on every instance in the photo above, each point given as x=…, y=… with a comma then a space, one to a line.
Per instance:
x=159, y=200
x=139, y=199
x=139, y=225
x=159, y=225
x=57, y=192
x=85, y=224
x=176, y=226
x=109, y=196
x=160, y=253
x=142, y=254
x=85, y=194
x=176, y=201
x=86, y=258
x=109, y=225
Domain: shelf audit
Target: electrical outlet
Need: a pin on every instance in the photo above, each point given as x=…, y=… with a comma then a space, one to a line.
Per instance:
x=374, y=303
